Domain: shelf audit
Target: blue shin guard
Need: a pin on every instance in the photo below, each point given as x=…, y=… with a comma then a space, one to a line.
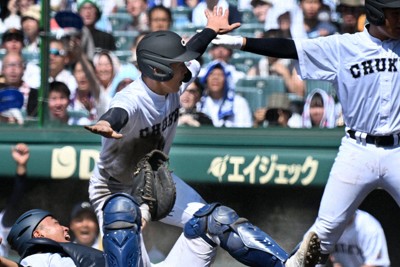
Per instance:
x=121, y=240
x=244, y=241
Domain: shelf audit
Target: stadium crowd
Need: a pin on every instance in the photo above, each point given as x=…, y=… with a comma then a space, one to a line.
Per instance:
x=92, y=51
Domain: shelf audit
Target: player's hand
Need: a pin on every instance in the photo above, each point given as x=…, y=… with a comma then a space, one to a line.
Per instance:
x=103, y=128
x=229, y=41
x=217, y=20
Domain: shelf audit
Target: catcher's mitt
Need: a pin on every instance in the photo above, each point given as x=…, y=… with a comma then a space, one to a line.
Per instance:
x=153, y=184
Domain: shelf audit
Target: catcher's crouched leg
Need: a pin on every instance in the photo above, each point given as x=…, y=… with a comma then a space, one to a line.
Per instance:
x=122, y=222
x=244, y=241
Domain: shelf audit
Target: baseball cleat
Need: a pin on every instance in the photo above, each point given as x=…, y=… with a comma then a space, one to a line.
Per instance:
x=308, y=253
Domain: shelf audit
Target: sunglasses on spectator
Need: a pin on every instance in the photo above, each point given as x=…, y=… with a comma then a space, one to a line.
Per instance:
x=56, y=52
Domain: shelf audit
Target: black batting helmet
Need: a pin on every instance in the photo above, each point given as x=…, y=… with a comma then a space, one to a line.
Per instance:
x=157, y=50
x=23, y=228
x=374, y=9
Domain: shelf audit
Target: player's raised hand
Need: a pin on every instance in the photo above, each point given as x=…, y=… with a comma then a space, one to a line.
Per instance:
x=103, y=128
x=218, y=20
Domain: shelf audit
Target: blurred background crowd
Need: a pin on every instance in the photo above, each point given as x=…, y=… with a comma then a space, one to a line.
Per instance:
x=91, y=57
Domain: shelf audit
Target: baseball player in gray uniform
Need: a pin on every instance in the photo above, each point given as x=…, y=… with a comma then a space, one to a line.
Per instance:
x=362, y=243
x=364, y=68
x=143, y=117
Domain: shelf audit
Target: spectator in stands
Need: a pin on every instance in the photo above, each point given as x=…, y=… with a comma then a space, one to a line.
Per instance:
x=352, y=14
x=313, y=24
x=13, y=208
x=106, y=66
x=319, y=110
x=284, y=68
x=13, y=41
x=220, y=103
x=90, y=12
x=138, y=10
x=12, y=18
x=13, y=69
x=84, y=226
x=223, y=54
x=260, y=9
x=160, y=18
x=363, y=243
x=30, y=26
x=58, y=64
x=199, y=20
x=88, y=98
x=189, y=113
x=277, y=113
x=58, y=102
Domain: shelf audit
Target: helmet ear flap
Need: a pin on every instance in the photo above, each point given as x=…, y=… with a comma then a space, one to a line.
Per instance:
x=147, y=65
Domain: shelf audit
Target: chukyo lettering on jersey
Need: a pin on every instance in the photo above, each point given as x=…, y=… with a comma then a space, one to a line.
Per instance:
x=158, y=128
x=373, y=65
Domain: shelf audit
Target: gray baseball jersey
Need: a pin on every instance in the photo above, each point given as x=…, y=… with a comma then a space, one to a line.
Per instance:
x=363, y=242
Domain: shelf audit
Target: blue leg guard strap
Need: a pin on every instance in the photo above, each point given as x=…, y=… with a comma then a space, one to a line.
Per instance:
x=122, y=222
x=244, y=241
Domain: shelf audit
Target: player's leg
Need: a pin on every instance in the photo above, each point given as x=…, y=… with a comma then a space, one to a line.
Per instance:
x=100, y=189
x=391, y=175
x=220, y=225
x=189, y=252
x=353, y=176
x=122, y=240
x=187, y=202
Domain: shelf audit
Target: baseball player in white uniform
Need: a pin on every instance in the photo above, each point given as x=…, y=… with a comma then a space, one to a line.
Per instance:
x=364, y=68
x=143, y=117
x=362, y=243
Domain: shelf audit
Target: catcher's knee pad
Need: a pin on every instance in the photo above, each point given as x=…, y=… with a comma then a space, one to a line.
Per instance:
x=122, y=222
x=244, y=241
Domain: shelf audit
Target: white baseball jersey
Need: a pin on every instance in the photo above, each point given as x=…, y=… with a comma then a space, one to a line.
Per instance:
x=365, y=72
x=356, y=63
x=363, y=242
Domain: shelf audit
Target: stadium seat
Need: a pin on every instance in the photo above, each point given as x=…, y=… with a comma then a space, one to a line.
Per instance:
x=124, y=39
x=324, y=85
x=254, y=97
x=123, y=55
x=119, y=21
x=245, y=58
x=249, y=30
x=265, y=85
x=248, y=16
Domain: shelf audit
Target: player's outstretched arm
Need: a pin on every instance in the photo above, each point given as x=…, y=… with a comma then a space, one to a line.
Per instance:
x=217, y=20
x=104, y=128
x=4, y=262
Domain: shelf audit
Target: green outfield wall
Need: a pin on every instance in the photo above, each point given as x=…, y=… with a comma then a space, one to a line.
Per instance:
x=269, y=156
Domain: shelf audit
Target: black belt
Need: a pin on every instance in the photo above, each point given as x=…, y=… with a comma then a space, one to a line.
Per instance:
x=380, y=141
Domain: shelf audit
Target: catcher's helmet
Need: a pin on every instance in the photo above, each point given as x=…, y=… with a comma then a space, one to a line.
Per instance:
x=158, y=50
x=374, y=9
x=23, y=228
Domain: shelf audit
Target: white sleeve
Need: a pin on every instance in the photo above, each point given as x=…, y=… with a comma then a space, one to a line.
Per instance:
x=47, y=260
x=194, y=67
x=319, y=58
